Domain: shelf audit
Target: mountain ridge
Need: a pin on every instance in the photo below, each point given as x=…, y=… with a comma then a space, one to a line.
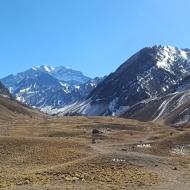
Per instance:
x=151, y=72
x=42, y=87
x=148, y=79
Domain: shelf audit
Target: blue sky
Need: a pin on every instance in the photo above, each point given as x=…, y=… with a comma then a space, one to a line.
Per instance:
x=94, y=36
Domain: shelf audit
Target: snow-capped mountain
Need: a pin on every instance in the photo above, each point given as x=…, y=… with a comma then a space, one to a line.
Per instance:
x=42, y=87
x=60, y=73
x=152, y=72
x=63, y=73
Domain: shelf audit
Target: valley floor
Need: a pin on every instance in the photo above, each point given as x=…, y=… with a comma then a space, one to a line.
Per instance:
x=61, y=153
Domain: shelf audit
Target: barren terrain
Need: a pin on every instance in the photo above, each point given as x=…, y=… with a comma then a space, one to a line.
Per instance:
x=57, y=153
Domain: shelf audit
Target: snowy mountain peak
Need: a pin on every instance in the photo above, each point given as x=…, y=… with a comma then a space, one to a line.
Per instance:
x=167, y=56
x=44, y=68
x=62, y=73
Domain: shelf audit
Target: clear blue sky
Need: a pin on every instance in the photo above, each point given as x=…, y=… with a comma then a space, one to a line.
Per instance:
x=94, y=36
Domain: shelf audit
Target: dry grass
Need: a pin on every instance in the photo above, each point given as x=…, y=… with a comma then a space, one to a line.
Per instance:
x=56, y=153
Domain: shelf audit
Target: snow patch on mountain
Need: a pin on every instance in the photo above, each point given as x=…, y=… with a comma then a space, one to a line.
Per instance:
x=167, y=55
x=20, y=99
x=44, y=68
x=48, y=69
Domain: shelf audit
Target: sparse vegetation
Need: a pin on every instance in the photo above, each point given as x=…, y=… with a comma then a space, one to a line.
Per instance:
x=57, y=153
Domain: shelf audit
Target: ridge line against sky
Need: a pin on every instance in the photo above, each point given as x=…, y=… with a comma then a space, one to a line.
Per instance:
x=94, y=37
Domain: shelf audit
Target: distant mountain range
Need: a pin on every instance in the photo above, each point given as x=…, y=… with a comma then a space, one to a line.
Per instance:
x=48, y=88
x=153, y=84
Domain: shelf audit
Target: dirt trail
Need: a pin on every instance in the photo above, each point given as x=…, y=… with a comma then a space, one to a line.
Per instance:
x=175, y=175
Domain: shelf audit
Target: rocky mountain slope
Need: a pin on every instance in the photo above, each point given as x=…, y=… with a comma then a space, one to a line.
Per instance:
x=4, y=91
x=151, y=73
x=172, y=108
x=10, y=109
x=47, y=88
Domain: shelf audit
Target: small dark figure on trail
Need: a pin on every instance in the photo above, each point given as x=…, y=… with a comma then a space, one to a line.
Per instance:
x=96, y=131
x=95, y=134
